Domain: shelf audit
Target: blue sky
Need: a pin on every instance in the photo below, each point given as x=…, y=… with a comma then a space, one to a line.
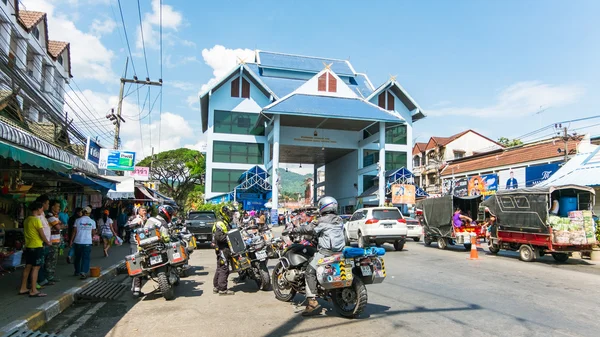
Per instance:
x=484, y=65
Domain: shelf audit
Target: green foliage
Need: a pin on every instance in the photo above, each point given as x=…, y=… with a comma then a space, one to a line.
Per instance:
x=292, y=183
x=178, y=171
x=598, y=233
x=509, y=143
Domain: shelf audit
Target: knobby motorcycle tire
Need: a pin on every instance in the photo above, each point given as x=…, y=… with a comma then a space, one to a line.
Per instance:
x=265, y=278
x=361, y=294
x=166, y=289
x=274, y=281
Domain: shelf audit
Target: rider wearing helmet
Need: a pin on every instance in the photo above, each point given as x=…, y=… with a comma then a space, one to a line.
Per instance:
x=220, y=230
x=329, y=233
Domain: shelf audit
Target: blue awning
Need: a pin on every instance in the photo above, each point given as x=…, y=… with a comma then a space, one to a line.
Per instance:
x=96, y=183
x=332, y=107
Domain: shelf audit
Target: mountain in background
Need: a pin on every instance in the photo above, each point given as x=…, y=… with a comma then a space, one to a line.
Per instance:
x=292, y=183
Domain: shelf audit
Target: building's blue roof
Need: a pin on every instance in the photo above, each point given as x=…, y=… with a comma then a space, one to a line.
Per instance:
x=303, y=63
x=332, y=107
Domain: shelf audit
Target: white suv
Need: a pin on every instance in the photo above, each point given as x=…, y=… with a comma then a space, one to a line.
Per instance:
x=379, y=225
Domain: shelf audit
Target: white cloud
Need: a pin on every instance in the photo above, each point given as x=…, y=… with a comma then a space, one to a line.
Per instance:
x=171, y=19
x=102, y=27
x=182, y=85
x=169, y=63
x=520, y=99
x=188, y=43
x=193, y=100
x=222, y=60
x=90, y=58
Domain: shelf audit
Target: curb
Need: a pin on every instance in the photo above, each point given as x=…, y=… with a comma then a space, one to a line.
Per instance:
x=51, y=309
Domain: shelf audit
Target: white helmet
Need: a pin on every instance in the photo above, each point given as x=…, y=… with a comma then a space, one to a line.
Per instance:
x=327, y=205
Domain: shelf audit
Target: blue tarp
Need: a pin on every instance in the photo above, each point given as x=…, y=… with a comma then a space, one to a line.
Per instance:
x=96, y=183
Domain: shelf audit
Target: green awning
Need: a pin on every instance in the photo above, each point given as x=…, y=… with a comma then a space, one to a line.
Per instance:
x=25, y=156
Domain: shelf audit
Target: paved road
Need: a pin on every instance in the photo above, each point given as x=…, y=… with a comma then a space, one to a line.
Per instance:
x=428, y=292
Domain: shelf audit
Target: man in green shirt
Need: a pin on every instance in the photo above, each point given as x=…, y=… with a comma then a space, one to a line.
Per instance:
x=34, y=250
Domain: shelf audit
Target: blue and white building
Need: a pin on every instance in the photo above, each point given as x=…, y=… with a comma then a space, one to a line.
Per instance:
x=282, y=108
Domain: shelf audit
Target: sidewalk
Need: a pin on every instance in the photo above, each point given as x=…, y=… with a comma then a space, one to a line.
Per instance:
x=17, y=310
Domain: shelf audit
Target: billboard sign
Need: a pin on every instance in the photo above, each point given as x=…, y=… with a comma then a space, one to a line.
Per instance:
x=485, y=185
x=92, y=151
x=140, y=173
x=511, y=179
x=461, y=187
x=116, y=160
x=538, y=173
x=403, y=194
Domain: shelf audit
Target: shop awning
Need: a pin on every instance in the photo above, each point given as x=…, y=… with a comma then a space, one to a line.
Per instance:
x=98, y=184
x=125, y=188
x=145, y=192
x=161, y=197
x=25, y=156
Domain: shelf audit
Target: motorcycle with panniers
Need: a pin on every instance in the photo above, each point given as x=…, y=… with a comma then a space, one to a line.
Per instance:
x=249, y=257
x=341, y=277
x=158, y=258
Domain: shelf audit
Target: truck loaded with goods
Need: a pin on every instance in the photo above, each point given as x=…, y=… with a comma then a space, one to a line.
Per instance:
x=535, y=221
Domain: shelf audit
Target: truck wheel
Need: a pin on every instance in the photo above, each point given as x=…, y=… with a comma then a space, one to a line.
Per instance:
x=494, y=249
x=417, y=239
x=346, y=238
x=427, y=241
x=467, y=246
x=442, y=243
x=527, y=254
x=560, y=257
x=361, y=241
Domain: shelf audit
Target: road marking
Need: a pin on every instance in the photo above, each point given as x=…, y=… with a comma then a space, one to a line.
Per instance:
x=82, y=320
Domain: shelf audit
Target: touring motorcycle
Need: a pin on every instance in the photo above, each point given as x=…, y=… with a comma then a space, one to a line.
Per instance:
x=341, y=277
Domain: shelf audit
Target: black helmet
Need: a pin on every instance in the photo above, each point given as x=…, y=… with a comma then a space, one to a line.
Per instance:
x=226, y=213
x=167, y=212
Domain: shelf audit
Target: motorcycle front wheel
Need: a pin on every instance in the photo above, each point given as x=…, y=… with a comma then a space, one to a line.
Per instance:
x=350, y=302
x=166, y=289
x=279, y=283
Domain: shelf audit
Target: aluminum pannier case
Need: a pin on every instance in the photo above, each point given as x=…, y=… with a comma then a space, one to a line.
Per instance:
x=334, y=272
x=176, y=252
x=133, y=263
x=236, y=241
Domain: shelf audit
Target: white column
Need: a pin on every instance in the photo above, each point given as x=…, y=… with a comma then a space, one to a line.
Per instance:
x=21, y=54
x=267, y=152
x=37, y=68
x=359, y=178
x=314, y=186
x=48, y=79
x=381, y=163
x=209, y=155
x=275, y=175
x=5, y=33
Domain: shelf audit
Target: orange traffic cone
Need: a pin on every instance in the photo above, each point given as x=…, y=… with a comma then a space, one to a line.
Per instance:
x=474, y=253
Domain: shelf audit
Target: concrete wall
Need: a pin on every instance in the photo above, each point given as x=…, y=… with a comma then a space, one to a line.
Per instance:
x=469, y=143
x=340, y=177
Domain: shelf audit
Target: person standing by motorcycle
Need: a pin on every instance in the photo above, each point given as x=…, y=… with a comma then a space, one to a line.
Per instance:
x=134, y=222
x=328, y=232
x=219, y=231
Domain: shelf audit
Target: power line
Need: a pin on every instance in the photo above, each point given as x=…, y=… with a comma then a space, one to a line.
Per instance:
x=161, y=76
x=143, y=43
x=126, y=37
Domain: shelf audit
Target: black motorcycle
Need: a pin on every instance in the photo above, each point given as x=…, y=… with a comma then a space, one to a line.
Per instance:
x=341, y=277
x=252, y=261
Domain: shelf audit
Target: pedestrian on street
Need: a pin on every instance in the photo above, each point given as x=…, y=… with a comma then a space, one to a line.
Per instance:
x=34, y=250
x=122, y=222
x=136, y=221
x=107, y=231
x=76, y=215
x=219, y=231
x=82, y=238
x=43, y=277
x=55, y=239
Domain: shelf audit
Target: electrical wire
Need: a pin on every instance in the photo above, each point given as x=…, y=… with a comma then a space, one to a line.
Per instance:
x=142, y=35
x=161, y=75
x=126, y=37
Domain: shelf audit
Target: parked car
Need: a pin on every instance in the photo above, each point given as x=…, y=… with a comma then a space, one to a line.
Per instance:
x=415, y=230
x=377, y=224
x=200, y=224
x=346, y=217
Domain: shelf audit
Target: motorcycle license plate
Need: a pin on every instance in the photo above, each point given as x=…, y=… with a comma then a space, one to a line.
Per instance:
x=366, y=270
x=155, y=260
x=261, y=255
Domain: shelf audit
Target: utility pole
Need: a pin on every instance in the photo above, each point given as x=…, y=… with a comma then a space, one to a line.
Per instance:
x=566, y=139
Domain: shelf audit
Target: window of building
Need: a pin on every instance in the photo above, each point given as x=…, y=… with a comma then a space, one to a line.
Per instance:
x=431, y=179
x=60, y=59
x=416, y=161
x=327, y=82
x=370, y=157
x=385, y=100
x=238, y=153
x=458, y=154
x=396, y=135
x=36, y=32
x=235, y=88
x=224, y=180
x=368, y=182
x=395, y=160
x=239, y=123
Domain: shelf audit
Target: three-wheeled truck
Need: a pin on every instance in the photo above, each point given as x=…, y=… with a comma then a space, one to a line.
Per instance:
x=436, y=219
x=525, y=224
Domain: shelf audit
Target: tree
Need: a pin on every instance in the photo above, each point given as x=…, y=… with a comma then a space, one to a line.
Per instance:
x=509, y=143
x=179, y=172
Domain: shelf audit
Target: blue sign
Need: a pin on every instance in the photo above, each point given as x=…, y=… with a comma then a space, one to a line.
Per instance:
x=538, y=173
x=92, y=151
x=491, y=184
x=274, y=216
x=116, y=160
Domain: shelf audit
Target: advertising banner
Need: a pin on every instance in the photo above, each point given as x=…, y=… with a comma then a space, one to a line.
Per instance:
x=140, y=173
x=116, y=160
x=274, y=216
x=511, y=179
x=403, y=194
x=92, y=151
x=461, y=187
x=485, y=185
x=538, y=173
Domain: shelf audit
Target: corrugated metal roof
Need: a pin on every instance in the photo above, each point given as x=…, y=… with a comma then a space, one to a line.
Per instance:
x=332, y=107
x=303, y=63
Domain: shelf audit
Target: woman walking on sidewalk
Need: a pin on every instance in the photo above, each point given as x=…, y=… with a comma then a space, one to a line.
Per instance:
x=34, y=250
x=55, y=239
x=82, y=237
x=106, y=230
